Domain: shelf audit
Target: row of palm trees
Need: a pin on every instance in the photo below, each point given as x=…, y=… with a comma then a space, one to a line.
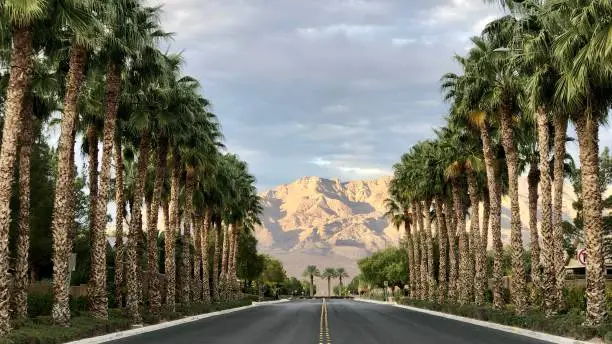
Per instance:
x=544, y=64
x=161, y=152
x=328, y=274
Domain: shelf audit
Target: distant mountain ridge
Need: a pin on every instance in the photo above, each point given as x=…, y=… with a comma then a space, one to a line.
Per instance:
x=332, y=223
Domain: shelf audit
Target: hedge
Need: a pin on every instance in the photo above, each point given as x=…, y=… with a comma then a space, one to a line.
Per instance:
x=40, y=329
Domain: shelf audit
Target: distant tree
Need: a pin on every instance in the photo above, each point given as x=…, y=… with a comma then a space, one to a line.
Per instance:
x=341, y=272
x=328, y=274
x=273, y=271
x=389, y=265
x=311, y=272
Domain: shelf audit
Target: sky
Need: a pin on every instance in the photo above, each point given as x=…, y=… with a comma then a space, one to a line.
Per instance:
x=332, y=88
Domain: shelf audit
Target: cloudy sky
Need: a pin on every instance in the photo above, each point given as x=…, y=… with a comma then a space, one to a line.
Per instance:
x=333, y=88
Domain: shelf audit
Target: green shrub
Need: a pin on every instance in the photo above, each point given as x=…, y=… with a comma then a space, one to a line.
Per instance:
x=40, y=329
x=574, y=298
x=40, y=304
x=567, y=325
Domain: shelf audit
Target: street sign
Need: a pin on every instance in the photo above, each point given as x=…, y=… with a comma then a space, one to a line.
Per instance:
x=582, y=256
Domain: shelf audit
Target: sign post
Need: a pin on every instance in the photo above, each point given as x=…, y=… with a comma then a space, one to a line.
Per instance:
x=386, y=283
x=582, y=256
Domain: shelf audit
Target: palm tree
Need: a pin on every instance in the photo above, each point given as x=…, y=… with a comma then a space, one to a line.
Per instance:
x=400, y=215
x=341, y=273
x=129, y=29
x=328, y=274
x=80, y=18
x=583, y=53
x=311, y=272
x=39, y=105
x=21, y=16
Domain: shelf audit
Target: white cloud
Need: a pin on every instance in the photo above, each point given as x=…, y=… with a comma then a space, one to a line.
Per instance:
x=347, y=30
x=480, y=24
x=365, y=171
x=320, y=161
x=402, y=42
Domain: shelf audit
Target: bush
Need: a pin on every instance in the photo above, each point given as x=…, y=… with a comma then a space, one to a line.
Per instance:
x=40, y=304
x=574, y=298
x=567, y=325
x=40, y=329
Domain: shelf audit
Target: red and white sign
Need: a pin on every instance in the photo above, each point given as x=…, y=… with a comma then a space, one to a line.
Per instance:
x=582, y=256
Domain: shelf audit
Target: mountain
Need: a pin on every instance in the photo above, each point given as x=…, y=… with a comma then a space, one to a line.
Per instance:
x=331, y=223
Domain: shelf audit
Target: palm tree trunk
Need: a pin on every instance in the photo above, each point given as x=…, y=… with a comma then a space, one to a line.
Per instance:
x=418, y=254
x=518, y=281
x=196, y=287
x=205, y=266
x=120, y=202
x=92, y=153
x=233, y=282
x=133, y=299
x=411, y=259
x=560, y=132
x=486, y=205
x=63, y=216
x=476, y=247
x=186, y=267
x=174, y=229
x=169, y=259
x=549, y=272
x=223, y=274
x=19, y=81
x=311, y=285
x=587, y=127
x=152, y=230
x=463, y=290
x=453, y=274
x=430, y=253
x=443, y=245
x=21, y=282
x=533, y=179
x=216, y=257
x=98, y=297
x=423, y=248
x=494, y=187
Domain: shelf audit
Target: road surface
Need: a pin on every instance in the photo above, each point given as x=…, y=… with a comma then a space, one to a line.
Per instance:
x=336, y=321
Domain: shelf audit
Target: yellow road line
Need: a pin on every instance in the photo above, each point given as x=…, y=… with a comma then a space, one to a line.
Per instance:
x=324, y=337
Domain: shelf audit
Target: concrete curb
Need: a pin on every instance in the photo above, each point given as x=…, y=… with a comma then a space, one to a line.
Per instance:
x=136, y=331
x=516, y=330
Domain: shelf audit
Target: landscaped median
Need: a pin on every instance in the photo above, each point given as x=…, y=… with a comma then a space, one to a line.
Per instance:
x=564, y=328
x=40, y=330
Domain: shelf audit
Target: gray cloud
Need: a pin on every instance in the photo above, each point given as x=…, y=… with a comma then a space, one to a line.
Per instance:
x=335, y=88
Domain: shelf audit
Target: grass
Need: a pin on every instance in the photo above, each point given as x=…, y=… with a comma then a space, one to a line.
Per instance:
x=40, y=329
x=567, y=324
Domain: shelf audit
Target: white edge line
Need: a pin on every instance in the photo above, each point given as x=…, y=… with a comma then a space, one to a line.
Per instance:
x=133, y=332
x=509, y=329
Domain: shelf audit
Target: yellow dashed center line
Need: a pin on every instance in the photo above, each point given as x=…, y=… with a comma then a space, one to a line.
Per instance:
x=324, y=337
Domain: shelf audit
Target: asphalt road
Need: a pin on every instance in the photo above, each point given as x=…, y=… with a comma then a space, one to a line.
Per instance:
x=338, y=322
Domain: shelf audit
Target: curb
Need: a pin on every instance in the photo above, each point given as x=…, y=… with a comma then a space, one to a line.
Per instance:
x=150, y=328
x=509, y=329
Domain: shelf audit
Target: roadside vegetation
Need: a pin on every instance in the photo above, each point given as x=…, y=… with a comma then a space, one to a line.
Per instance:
x=530, y=74
x=178, y=207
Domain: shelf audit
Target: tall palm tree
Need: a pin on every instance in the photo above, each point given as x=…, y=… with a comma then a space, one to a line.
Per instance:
x=21, y=16
x=40, y=103
x=129, y=29
x=81, y=20
x=328, y=274
x=311, y=272
x=583, y=53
